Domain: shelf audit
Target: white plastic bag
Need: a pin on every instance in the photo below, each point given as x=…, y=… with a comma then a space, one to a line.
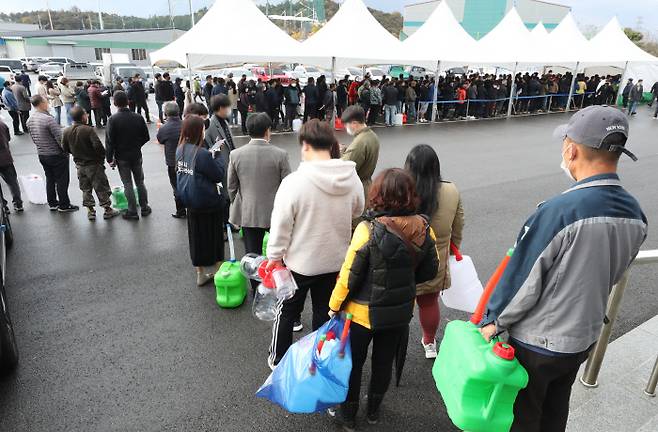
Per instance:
x=466, y=288
x=296, y=125
x=398, y=120
x=34, y=188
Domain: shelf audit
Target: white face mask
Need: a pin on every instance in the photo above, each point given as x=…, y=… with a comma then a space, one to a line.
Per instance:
x=565, y=166
x=349, y=130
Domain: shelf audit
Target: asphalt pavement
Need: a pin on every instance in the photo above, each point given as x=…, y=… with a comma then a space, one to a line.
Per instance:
x=114, y=335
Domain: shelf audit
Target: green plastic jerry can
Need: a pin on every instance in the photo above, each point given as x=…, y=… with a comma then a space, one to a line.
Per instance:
x=230, y=285
x=478, y=380
x=119, y=200
x=266, y=238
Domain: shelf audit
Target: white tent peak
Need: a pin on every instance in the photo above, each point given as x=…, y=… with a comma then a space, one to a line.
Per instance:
x=346, y=35
x=611, y=42
x=441, y=26
x=205, y=47
x=539, y=30
x=508, y=42
x=568, y=30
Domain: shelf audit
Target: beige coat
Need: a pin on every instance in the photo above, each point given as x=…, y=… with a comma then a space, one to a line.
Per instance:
x=447, y=223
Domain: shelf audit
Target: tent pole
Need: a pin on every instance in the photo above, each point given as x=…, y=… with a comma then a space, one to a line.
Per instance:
x=435, y=112
x=621, y=84
x=333, y=70
x=573, y=83
x=189, y=73
x=512, y=92
x=333, y=78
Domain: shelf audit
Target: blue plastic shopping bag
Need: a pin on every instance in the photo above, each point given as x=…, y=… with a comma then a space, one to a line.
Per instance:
x=309, y=380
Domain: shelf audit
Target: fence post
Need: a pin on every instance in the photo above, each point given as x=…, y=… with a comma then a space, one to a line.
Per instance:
x=512, y=91
x=591, y=374
x=653, y=380
x=573, y=82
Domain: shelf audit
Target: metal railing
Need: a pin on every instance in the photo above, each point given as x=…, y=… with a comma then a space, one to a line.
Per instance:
x=593, y=367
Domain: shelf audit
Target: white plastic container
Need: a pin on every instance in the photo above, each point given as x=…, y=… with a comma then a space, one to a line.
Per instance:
x=249, y=265
x=35, y=188
x=398, y=120
x=265, y=303
x=296, y=125
x=466, y=288
x=284, y=282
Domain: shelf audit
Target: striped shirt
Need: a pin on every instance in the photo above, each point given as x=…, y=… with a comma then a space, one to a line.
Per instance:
x=46, y=134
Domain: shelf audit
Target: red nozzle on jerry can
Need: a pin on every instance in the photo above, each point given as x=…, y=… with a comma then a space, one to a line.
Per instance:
x=504, y=351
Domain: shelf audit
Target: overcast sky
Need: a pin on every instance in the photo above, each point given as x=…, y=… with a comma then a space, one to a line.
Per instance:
x=586, y=12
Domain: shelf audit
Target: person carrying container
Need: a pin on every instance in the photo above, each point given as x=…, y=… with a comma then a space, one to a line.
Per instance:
x=552, y=297
x=391, y=251
x=311, y=227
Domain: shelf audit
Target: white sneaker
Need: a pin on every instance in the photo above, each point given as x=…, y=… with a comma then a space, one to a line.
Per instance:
x=297, y=326
x=271, y=365
x=430, y=349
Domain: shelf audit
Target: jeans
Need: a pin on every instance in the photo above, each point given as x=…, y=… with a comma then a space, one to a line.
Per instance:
x=58, y=114
x=632, y=107
x=422, y=110
x=288, y=312
x=129, y=170
x=399, y=107
x=384, y=347
x=56, y=168
x=411, y=111
x=67, y=107
x=234, y=116
x=8, y=174
x=389, y=113
x=159, y=103
x=98, y=114
x=543, y=406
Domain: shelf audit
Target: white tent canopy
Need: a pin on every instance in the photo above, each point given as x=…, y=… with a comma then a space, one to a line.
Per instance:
x=539, y=33
x=612, y=47
x=509, y=42
x=231, y=31
x=354, y=38
x=565, y=45
x=441, y=38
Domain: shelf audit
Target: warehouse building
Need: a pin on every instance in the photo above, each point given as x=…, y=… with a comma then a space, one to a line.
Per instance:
x=85, y=45
x=478, y=17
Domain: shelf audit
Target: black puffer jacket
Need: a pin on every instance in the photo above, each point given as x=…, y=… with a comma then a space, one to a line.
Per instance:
x=378, y=281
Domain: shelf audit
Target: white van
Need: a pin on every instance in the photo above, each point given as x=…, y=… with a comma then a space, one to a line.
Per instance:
x=79, y=71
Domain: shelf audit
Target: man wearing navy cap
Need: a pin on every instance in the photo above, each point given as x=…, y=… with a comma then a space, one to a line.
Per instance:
x=552, y=297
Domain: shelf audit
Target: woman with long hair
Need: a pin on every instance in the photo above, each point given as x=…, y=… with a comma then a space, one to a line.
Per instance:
x=55, y=101
x=391, y=251
x=198, y=171
x=441, y=203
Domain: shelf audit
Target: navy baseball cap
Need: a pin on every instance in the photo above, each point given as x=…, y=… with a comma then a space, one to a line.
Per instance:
x=592, y=125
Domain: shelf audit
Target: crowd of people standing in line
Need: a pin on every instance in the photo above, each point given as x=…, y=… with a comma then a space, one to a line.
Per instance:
x=374, y=248
x=457, y=96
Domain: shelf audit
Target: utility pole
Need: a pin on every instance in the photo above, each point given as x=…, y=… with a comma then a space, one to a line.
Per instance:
x=171, y=15
x=39, y=20
x=50, y=18
x=100, y=16
x=191, y=13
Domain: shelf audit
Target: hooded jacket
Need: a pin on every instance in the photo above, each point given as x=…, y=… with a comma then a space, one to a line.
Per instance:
x=311, y=222
x=377, y=283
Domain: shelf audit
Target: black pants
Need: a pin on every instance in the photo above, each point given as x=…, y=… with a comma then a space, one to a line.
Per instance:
x=8, y=174
x=139, y=105
x=243, y=121
x=98, y=116
x=291, y=114
x=373, y=114
x=310, y=111
x=253, y=243
x=171, y=171
x=320, y=287
x=159, y=103
x=56, y=169
x=15, y=119
x=384, y=347
x=24, y=116
x=129, y=170
x=543, y=406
